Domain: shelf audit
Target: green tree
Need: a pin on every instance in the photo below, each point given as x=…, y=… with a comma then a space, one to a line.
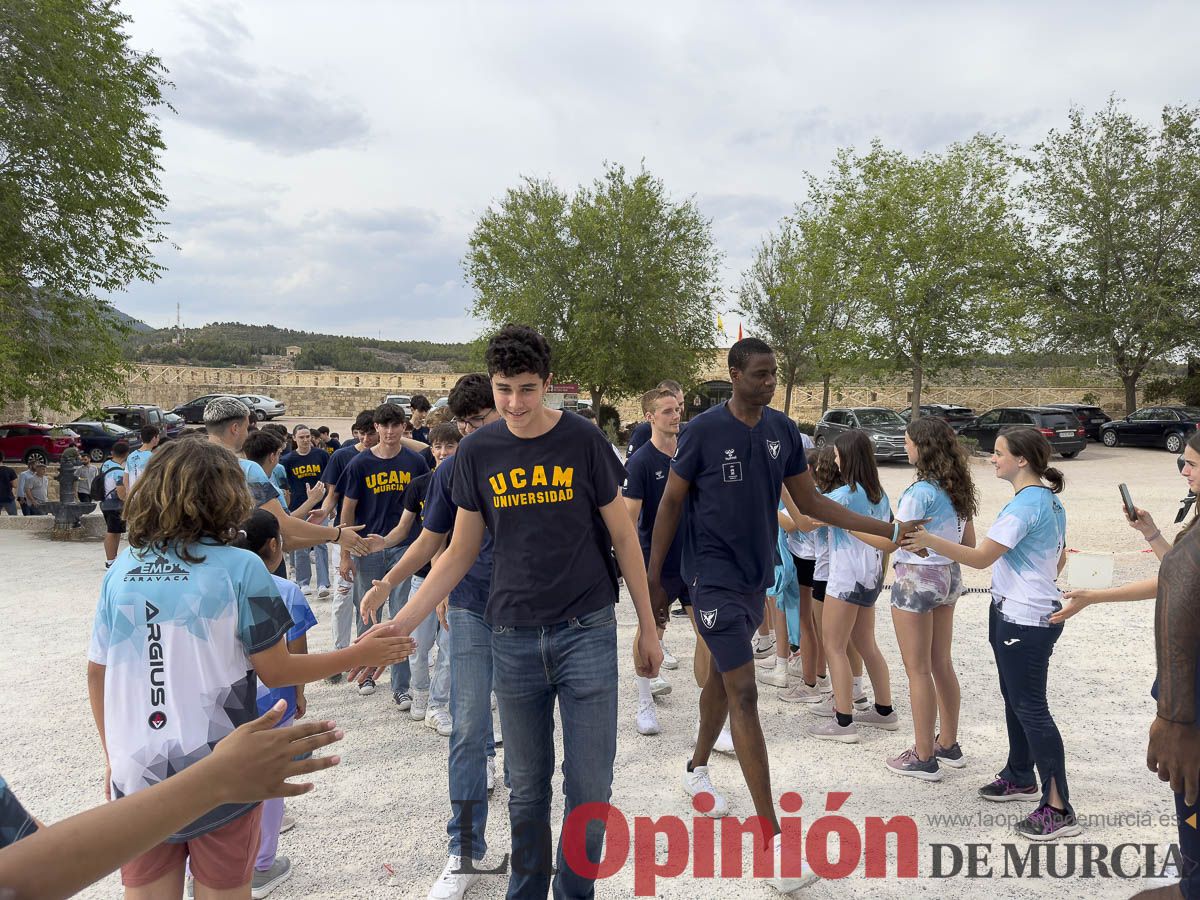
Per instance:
x=620, y=279
x=1117, y=213
x=794, y=296
x=79, y=194
x=934, y=249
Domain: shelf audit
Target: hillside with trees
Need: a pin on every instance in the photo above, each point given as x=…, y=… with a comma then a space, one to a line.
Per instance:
x=226, y=344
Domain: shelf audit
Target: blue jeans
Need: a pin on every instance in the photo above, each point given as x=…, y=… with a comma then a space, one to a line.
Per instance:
x=9, y=506
x=425, y=635
x=303, y=568
x=471, y=740
x=439, y=684
x=367, y=569
x=574, y=662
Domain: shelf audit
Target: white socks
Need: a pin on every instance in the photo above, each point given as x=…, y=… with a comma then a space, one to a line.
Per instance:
x=644, y=695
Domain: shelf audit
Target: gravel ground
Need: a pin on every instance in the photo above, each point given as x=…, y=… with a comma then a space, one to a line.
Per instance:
x=386, y=804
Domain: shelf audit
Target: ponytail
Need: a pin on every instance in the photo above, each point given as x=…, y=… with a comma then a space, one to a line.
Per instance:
x=1032, y=446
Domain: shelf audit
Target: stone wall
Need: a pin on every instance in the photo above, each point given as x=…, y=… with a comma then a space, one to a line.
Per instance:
x=343, y=394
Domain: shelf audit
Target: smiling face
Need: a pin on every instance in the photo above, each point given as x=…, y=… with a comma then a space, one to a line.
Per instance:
x=666, y=415
x=519, y=399
x=1007, y=465
x=1191, y=468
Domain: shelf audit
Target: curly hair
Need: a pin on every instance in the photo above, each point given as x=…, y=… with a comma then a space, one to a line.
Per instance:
x=516, y=349
x=190, y=491
x=941, y=459
x=825, y=469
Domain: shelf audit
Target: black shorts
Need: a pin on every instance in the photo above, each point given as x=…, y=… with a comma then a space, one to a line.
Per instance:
x=804, y=570
x=113, y=521
x=676, y=589
x=727, y=621
x=818, y=590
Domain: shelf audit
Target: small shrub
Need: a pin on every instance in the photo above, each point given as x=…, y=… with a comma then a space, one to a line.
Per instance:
x=809, y=428
x=1090, y=399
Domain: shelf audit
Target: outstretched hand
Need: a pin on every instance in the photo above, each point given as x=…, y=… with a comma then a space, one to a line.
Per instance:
x=1174, y=754
x=255, y=761
x=1073, y=602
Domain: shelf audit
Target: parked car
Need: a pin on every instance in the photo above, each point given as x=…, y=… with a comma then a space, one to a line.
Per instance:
x=98, y=438
x=1153, y=426
x=404, y=401
x=32, y=442
x=440, y=402
x=1090, y=417
x=193, y=410
x=883, y=426
x=1060, y=427
x=263, y=408
x=955, y=416
x=136, y=416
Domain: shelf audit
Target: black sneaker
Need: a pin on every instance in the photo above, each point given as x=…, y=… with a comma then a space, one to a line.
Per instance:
x=1047, y=824
x=402, y=699
x=366, y=687
x=1002, y=790
x=949, y=756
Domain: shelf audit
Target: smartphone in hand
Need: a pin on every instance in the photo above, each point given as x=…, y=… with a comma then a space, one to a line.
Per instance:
x=1130, y=509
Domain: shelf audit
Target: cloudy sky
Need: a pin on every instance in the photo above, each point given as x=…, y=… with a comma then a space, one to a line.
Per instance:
x=327, y=161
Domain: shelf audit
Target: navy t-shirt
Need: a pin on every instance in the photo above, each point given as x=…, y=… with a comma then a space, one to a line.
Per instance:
x=647, y=479
x=440, y=511
x=421, y=434
x=336, y=467
x=641, y=436
x=7, y=479
x=379, y=486
x=735, y=474
x=540, y=498
x=414, y=502
x=303, y=471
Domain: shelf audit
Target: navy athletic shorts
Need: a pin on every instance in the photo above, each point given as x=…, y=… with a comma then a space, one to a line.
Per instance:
x=676, y=589
x=727, y=621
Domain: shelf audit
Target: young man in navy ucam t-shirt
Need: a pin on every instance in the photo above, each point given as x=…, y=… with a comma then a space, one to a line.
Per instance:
x=303, y=468
x=374, y=484
x=546, y=485
x=729, y=470
x=472, y=768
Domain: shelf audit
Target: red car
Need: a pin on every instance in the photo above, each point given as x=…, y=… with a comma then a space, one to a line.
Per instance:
x=30, y=442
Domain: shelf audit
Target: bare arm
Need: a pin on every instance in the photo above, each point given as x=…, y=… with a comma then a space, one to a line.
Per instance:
x=95, y=683
x=648, y=653
x=299, y=534
x=980, y=557
x=446, y=573
x=250, y=764
x=396, y=536
x=813, y=503
x=277, y=668
x=419, y=552
x=666, y=524
x=634, y=505
x=316, y=492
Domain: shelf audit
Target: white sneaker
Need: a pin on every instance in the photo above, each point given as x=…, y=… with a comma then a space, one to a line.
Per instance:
x=647, y=718
x=438, y=719
x=776, y=676
x=697, y=782
x=830, y=730
x=669, y=660
x=764, y=645
x=824, y=684
x=659, y=686
x=767, y=662
x=825, y=707
x=795, y=665
x=802, y=693
x=491, y=774
x=307, y=590
x=785, y=884
x=323, y=593
x=724, y=742
x=420, y=703
x=453, y=882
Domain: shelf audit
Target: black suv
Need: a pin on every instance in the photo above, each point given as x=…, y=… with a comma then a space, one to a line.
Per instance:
x=1060, y=427
x=1090, y=417
x=883, y=426
x=1153, y=426
x=955, y=416
x=193, y=410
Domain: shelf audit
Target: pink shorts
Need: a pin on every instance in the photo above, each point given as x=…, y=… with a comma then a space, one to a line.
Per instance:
x=222, y=859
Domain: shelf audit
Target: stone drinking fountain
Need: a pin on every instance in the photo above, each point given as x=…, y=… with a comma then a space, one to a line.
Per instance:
x=68, y=512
